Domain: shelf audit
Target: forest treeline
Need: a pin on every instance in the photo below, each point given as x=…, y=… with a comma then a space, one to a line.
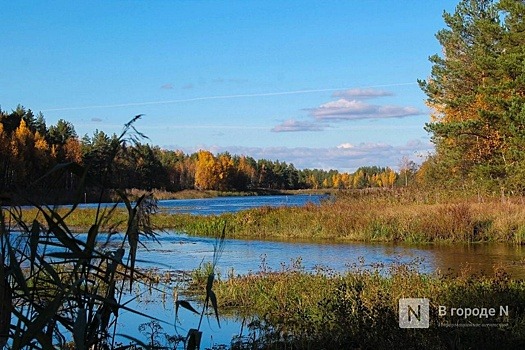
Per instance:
x=29, y=148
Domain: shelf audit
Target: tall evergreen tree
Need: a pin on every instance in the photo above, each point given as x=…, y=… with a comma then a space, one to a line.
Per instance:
x=476, y=92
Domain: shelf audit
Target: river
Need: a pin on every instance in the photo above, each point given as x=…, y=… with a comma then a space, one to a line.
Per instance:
x=178, y=251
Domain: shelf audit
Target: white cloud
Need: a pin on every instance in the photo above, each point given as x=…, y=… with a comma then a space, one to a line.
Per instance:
x=351, y=106
x=292, y=125
x=344, y=109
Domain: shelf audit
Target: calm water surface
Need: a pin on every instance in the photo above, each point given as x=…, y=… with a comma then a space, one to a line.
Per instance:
x=177, y=251
x=219, y=205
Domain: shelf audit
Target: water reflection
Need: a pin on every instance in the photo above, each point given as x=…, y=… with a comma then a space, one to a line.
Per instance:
x=219, y=205
x=162, y=308
x=182, y=252
x=479, y=258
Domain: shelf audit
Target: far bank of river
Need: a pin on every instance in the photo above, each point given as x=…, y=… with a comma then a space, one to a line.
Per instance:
x=226, y=204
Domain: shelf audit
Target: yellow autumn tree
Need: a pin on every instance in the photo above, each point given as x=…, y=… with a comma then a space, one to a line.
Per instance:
x=388, y=178
x=73, y=150
x=392, y=177
x=29, y=154
x=377, y=180
x=336, y=181
x=346, y=180
x=205, y=171
x=21, y=140
x=41, y=149
x=312, y=181
x=223, y=172
x=359, y=180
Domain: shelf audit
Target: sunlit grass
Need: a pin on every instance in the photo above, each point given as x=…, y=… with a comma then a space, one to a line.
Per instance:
x=296, y=309
x=389, y=217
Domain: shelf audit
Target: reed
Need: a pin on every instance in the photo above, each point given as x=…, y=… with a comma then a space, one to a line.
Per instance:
x=64, y=290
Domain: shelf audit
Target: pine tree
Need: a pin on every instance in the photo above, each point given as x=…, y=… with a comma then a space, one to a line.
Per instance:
x=476, y=93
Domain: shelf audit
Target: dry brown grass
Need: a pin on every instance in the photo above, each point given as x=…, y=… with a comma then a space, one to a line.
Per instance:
x=383, y=216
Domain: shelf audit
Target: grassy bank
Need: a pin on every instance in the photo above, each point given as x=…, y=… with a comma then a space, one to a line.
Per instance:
x=196, y=194
x=293, y=309
x=376, y=217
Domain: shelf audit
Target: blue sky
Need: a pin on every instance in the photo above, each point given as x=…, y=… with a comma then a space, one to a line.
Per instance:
x=321, y=84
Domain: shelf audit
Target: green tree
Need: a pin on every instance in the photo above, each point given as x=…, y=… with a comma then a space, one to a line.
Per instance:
x=12, y=120
x=509, y=94
x=476, y=92
x=59, y=134
x=5, y=160
x=99, y=155
x=40, y=124
x=148, y=168
x=244, y=172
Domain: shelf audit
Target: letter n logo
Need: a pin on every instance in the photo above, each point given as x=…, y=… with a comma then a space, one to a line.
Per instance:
x=414, y=313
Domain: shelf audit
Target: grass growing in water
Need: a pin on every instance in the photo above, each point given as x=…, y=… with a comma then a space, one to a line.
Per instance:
x=294, y=309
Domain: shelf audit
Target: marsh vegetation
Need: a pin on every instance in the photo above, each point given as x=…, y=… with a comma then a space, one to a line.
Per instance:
x=358, y=309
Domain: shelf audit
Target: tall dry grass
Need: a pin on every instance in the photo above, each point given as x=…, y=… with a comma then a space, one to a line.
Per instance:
x=377, y=217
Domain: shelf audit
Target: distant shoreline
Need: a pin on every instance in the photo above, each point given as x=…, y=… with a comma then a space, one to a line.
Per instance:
x=112, y=197
x=196, y=194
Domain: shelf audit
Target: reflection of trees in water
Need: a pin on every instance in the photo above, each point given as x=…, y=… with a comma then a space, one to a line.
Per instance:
x=478, y=258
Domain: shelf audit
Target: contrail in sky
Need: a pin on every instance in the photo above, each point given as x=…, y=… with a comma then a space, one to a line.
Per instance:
x=218, y=97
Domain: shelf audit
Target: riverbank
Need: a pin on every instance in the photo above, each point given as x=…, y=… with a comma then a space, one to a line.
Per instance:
x=111, y=196
x=360, y=309
x=197, y=194
x=380, y=216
